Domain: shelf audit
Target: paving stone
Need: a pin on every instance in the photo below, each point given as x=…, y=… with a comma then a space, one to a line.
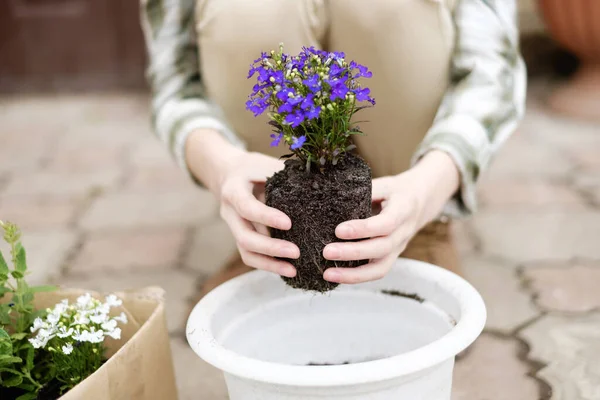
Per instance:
x=151, y=153
x=159, y=178
x=212, y=246
x=491, y=370
x=587, y=158
x=178, y=285
x=462, y=233
x=130, y=249
x=521, y=158
x=568, y=287
x=46, y=253
x=508, y=305
x=85, y=158
x=523, y=193
x=38, y=212
x=140, y=210
x=570, y=349
x=196, y=379
x=532, y=235
x=72, y=183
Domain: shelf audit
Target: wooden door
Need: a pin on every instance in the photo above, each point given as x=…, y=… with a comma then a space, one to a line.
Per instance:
x=66, y=45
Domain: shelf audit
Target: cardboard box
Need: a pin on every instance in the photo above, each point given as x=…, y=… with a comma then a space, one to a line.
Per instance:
x=140, y=365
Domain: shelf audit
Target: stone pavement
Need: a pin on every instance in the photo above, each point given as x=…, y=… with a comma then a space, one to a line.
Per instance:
x=103, y=207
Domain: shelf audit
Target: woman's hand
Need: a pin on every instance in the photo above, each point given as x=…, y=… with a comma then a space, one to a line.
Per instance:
x=408, y=202
x=237, y=179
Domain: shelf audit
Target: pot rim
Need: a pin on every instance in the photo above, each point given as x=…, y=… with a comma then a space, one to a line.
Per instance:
x=468, y=328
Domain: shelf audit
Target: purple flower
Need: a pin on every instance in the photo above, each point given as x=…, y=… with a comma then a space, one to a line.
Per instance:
x=294, y=100
x=312, y=82
x=313, y=113
x=284, y=93
x=338, y=88
x=257, y=106
x=298, y=142
x=335, y=70
x=362, y=94
x=294, y=119
x=362, y=70
x=307, y=102
x=276, y=139
x=285, y=108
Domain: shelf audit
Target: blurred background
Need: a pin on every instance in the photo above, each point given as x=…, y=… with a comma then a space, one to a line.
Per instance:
x=103, y=206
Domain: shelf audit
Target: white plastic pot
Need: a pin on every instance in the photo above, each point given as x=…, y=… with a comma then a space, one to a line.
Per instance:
x=376, y=343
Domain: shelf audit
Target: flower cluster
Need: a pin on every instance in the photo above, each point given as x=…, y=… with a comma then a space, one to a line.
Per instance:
x=311, y=98
x=68, y=325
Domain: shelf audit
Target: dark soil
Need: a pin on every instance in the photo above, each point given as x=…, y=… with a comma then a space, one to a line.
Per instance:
x=317, y=203
x=49, y=392
x=398, y=293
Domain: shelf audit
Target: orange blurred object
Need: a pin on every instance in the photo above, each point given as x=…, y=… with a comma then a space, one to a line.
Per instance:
x=575, y=24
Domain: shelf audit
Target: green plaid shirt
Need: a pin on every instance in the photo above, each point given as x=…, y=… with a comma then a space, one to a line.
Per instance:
x=478, y=113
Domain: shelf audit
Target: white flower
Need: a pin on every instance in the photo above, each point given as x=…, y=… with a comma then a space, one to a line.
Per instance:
x=53, y=318
x=96, y=336
x=63, y=332
x=109, y=325
x=99, y=318
x=115, y=333
x=38, y=343
x=46, y=333
x=68, y=348
x=85, y=300
x=81, y=336
x=37, y=324
x=60, y=308
x=81, y=319
x=113, y=301
x=121, y=318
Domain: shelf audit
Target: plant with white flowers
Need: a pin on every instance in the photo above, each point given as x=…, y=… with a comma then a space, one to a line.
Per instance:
x=73, y=335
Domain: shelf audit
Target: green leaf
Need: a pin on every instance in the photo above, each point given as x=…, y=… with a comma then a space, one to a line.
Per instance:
x=20, y=260
x=19, y=336
x=17, y=274
x=5, y=343
x=4, y=314
x=3, y=290
x=27, y=396
x=29, y=358
x=6, y=359
x=3, y=265
x=39, y=289
x=14, y=380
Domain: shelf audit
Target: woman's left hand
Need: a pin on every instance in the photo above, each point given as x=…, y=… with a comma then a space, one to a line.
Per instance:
x=408, y=202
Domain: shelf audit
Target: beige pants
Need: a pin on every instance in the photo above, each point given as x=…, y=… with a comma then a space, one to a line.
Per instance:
x=406, y=43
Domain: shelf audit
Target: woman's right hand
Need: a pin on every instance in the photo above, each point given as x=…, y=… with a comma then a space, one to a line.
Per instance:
x=237, y=179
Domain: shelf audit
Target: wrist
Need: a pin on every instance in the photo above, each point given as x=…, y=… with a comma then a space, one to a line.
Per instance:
x=436, y=180
x=209, y=157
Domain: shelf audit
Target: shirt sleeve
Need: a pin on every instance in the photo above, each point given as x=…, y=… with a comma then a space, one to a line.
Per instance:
x=486, y=96
x=179, y=102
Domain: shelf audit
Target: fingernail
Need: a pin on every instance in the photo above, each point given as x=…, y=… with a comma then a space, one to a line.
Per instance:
x=282, y=223
x=332, y=275
x=289, y=272
x=346, y=230
x=289, y=252
x=333, y=253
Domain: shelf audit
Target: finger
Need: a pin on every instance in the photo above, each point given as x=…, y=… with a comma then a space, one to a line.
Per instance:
x=250, y=240
x=370, y=272
x=381, y=188
x=253, y=210
x=364, y=250
x=381, y=224
x=270, y=264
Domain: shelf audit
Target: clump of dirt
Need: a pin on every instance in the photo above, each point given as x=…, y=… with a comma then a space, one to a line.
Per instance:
x=398, y=293
x=317, y=202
